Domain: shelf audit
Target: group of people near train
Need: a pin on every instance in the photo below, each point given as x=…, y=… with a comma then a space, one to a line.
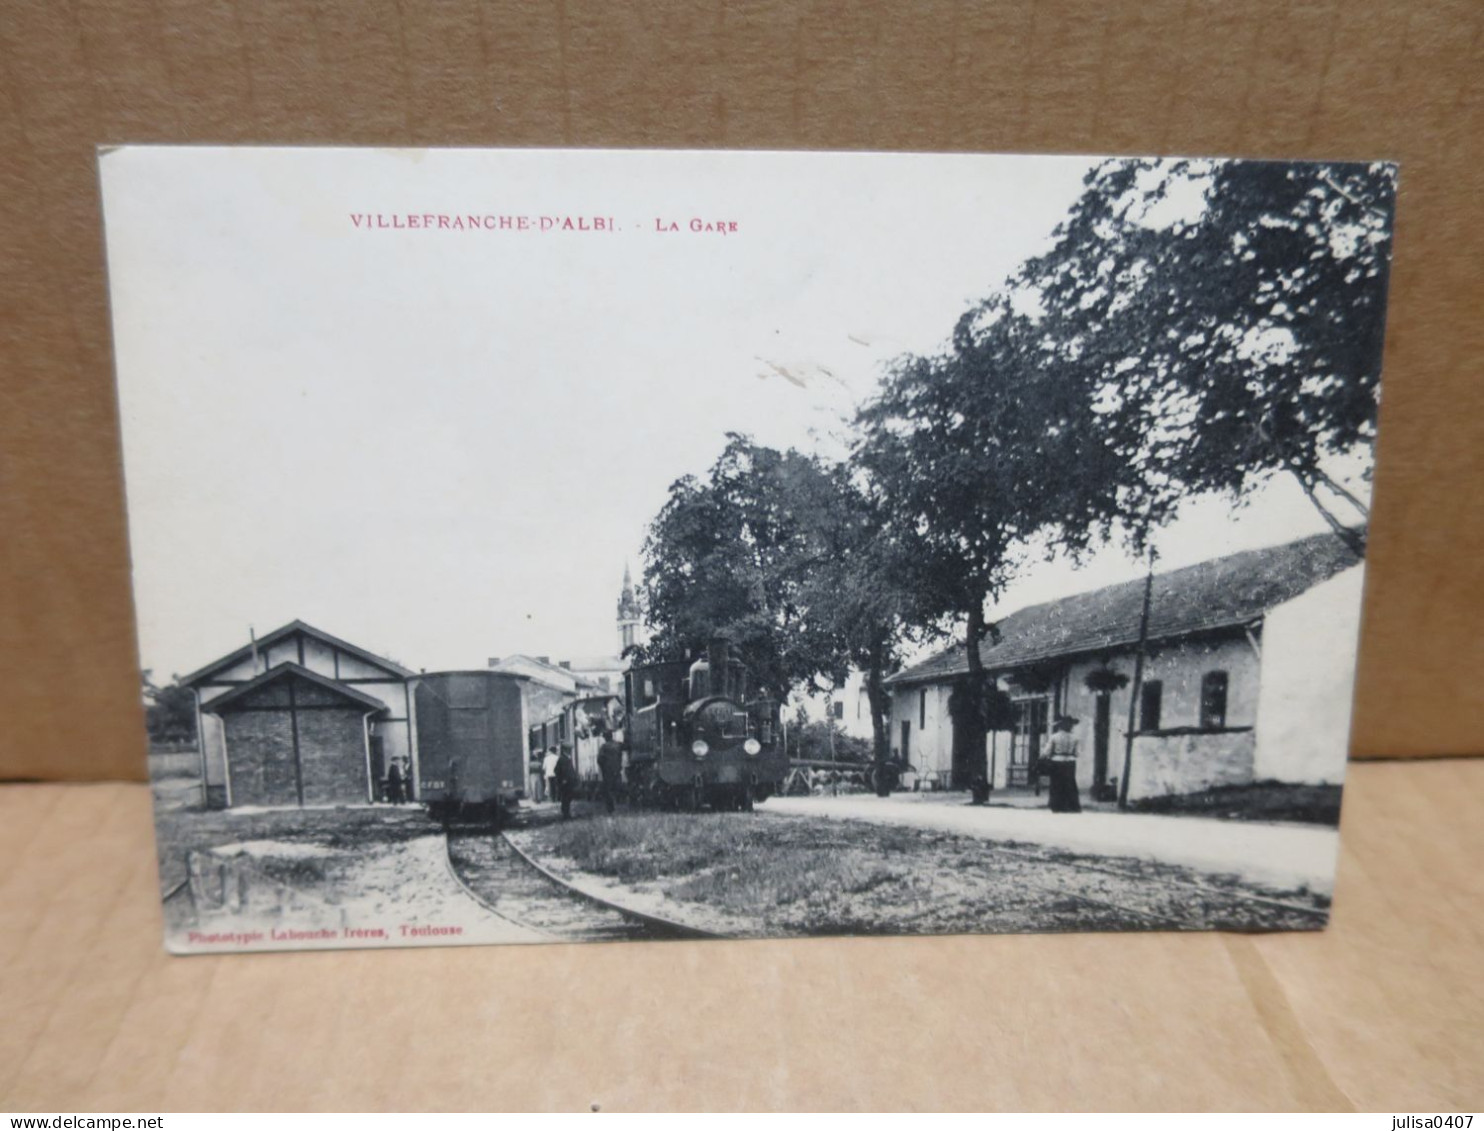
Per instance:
x=558, y=780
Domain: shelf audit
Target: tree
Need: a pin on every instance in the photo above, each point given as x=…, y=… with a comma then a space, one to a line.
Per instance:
x=730, y=554
x=811, y=739
x=855, y=588
x=791, y=558
x=169, y=711
x=1228, y=318
x=976, y=454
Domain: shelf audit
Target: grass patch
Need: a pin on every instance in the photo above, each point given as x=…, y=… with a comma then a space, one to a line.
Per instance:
x=759, y=884
x=740, y=864
x=639, y=848
x=803, y=876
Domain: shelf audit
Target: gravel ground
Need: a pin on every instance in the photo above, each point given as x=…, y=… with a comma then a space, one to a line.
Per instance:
x=349, y=877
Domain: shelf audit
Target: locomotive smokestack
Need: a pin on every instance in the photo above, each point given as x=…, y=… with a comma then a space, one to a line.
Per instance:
x=718, y=652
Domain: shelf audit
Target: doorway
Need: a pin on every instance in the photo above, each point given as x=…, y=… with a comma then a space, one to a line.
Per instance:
x=1031, y=716
x=1102, y=714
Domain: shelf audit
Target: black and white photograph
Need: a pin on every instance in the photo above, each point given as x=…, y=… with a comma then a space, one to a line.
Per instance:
x=593, y=545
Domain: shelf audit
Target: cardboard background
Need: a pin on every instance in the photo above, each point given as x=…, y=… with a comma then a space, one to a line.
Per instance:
x=1345, y=79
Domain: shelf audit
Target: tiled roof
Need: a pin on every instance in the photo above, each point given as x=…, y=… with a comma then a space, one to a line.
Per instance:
x=1219, y=593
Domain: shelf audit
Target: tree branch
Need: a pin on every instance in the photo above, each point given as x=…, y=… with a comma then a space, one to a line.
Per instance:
x=1355, y=541
x=1364, y=511
x=1371, y=208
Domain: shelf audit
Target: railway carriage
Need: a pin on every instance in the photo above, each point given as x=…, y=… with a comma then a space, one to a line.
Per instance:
x=578, y=725
x=471, y=743
x=696, y=738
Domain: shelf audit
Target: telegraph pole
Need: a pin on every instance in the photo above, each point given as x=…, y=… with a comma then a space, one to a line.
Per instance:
x=1137, y=686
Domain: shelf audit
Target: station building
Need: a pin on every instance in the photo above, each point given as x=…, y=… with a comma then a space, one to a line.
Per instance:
x=1248, y=676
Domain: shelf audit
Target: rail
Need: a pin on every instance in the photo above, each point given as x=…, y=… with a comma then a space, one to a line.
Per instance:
x=658, y=922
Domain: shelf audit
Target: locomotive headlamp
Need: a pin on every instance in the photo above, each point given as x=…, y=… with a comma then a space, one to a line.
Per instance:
x=753, y=747
x=699, y=748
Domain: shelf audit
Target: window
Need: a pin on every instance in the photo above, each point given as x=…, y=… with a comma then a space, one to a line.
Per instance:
x=922, y=709
x=1213, y=700
x=1151, y=698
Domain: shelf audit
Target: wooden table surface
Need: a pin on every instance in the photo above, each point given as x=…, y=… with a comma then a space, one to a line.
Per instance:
x=1384, y=1011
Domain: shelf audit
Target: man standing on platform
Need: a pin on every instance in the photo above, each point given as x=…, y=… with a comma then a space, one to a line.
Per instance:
x=566, y=779
x=610, y=765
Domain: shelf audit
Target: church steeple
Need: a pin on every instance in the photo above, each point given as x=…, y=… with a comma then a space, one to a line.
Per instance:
x=628, y=613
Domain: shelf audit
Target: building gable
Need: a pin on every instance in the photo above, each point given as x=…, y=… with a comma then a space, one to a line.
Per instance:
x=290, y=684
x=304, y=645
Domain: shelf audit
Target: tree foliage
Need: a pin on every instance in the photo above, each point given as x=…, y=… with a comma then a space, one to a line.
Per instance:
x=169, y=711
x=789, y=557
x=731, y=553
x=1226, y=319
x=858, y=586
x=819, y=740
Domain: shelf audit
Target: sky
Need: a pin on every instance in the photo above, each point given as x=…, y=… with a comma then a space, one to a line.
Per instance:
x=444, y=445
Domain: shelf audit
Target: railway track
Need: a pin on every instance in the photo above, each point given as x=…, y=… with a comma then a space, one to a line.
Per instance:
x=508, y=883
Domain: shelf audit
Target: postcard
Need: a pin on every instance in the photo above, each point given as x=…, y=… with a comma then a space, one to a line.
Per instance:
x=552, y=545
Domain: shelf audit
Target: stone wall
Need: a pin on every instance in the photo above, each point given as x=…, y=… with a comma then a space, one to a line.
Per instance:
x=1187, y=762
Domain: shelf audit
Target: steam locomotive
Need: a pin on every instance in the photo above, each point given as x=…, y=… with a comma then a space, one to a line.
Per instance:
x=695, y=739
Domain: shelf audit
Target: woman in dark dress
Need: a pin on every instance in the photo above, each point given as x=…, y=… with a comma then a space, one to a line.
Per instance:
x=1061, y=753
